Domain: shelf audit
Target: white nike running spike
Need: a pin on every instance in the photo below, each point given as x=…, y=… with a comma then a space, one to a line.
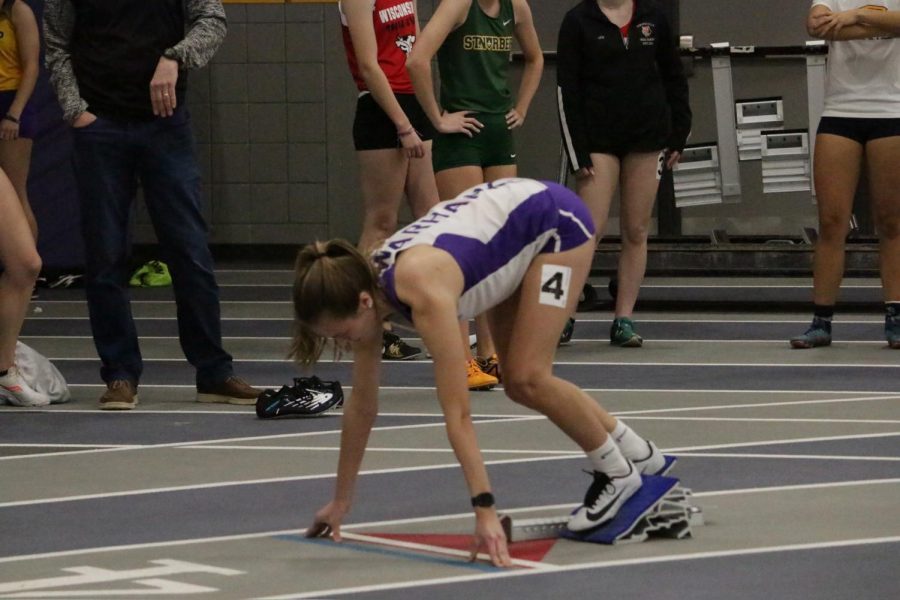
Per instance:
x=604, y=499
x=14, y=390
x=652, y=464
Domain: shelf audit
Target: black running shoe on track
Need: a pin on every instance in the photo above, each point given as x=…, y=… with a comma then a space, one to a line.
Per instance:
x=396, y=349
x=566, y=336
x=308, y=397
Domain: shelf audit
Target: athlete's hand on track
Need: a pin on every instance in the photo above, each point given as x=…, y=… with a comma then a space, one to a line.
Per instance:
x=328, y=521
x=514, y=119
x=489, y=534
x=459, y=122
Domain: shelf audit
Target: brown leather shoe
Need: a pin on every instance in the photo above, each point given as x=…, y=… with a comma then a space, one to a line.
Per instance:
x=233, y=390
x=120, y=394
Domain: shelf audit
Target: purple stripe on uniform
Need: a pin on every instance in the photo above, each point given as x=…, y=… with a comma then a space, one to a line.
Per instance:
x=571, y=233
x=390, y=290
x=526, y=223
x=530, y=220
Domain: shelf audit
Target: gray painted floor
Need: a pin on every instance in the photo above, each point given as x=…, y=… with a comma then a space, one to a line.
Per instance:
x=794, y=457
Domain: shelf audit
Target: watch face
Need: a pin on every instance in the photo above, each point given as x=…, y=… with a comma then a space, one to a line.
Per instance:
x=484, y=500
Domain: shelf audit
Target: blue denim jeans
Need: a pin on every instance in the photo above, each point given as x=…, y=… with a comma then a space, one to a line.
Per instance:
x=110, y=158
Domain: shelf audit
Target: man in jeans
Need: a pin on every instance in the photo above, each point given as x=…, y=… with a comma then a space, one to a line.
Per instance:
x=120, y=71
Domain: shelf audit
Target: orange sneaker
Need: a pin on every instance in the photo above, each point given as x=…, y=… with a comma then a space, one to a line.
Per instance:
x=478, y=379
x=490, y=366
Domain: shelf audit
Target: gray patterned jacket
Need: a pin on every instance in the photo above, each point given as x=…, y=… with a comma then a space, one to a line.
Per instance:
x=205, y=31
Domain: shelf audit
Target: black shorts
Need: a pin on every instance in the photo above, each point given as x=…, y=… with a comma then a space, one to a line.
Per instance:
x=860, y=130
x=27, y=121
x=374, y=130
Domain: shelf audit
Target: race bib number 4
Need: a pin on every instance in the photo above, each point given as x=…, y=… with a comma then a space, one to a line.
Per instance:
x=555, y=280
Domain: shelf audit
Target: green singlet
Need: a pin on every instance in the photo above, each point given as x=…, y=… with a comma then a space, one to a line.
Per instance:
x=474, y=62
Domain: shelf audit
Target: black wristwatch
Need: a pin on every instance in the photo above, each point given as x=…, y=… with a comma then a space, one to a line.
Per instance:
x=483, y=500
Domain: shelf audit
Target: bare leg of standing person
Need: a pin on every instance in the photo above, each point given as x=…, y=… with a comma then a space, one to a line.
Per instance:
x=21, y=266
x=836, y=171
x=15, y=160
x=882, y=157
x=638, y=194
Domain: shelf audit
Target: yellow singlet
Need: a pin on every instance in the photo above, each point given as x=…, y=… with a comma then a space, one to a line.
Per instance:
x=10, y=67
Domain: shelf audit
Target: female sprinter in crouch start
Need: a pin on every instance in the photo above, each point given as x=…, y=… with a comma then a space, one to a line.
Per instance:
x=519, y=250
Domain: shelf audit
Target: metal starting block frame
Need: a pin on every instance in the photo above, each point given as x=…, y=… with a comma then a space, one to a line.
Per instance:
x=672, y=516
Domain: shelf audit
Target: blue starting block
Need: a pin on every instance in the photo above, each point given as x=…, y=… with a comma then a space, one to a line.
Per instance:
x=661, y=507
x=670, y=462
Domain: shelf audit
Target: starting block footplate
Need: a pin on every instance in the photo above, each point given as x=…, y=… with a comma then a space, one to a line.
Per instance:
x=660, y=507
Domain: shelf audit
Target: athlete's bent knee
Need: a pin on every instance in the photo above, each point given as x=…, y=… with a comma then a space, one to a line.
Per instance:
x=523, y=387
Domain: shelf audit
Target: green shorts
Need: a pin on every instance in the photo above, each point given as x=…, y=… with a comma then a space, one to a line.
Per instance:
x=492, y=146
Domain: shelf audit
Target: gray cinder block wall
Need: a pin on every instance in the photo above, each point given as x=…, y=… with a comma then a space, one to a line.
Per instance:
x=273, y=115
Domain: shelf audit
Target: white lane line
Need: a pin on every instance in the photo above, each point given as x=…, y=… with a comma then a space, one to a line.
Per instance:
x=830, y=438
x=379, y=541
x=172, y=338
x=570, y=453
x=790, y=456
x=453, y=465
x=36, y=445
x=650, y=342
x=259, y=437
x=413, y=340
x=485, y=395
x=286, y=318
x=503, y=574
x=406, y=521
x=797, y=487
x=804, y=285
x=172, y=318
x=558, y=363
x=629, y=413
x=575, y=341
x=599, y=363
x=83, y=303
x=249, y=414
x=763, y=419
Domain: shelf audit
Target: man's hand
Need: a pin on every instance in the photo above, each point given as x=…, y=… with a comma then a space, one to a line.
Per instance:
x=84, y=119
x=162, y=87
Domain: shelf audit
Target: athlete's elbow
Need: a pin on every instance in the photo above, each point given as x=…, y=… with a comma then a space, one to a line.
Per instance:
x=415, y=63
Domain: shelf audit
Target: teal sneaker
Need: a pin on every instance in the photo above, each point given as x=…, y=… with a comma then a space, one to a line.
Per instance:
x=818, y=334
x=622, y=334
x=892, y=331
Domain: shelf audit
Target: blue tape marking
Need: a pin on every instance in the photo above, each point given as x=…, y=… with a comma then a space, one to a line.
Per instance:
x=477, y=566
